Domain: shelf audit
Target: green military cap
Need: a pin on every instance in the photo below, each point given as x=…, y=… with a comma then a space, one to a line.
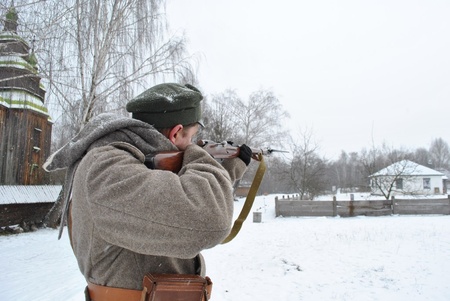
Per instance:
x=166, y=105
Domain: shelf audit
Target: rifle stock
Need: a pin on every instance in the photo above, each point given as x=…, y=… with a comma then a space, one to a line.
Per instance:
x=170, y=161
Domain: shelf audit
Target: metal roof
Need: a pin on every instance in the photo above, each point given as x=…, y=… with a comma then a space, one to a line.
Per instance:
x=28, y=194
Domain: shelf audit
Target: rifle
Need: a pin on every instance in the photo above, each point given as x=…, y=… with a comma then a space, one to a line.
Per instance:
x=173, y=160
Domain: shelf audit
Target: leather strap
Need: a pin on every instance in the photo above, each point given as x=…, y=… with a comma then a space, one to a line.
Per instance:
x=249, y=200
x=171, y=287
x=106, y=293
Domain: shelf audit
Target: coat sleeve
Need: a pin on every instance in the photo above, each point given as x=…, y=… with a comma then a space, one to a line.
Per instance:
x=156, y=212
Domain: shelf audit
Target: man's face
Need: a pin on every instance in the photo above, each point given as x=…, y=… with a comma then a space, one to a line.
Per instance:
x=185, y=136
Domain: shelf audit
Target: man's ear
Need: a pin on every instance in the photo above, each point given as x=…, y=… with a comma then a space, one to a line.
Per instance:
x=174, y=132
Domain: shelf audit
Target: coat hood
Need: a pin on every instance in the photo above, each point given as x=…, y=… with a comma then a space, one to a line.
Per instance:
x=103, y=130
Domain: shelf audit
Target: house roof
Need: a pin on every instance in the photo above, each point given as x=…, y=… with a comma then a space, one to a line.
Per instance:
x=28, y=194
x=407, y=168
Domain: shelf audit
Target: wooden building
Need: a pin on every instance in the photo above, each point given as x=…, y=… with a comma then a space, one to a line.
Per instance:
x=25, y=125
x=26, y=203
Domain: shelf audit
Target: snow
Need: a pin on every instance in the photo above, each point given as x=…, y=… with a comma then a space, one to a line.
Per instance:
x=318, y=258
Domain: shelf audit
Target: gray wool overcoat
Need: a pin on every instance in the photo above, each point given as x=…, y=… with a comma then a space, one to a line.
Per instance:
x=128, y=220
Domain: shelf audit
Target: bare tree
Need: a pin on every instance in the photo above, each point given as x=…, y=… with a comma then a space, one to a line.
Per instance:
x=307, y=169
x=255, y=122
x=376, y=158
x=95, y=54
x=218, y=117
x=260, y=119
x=422, y=156
x=440, y=154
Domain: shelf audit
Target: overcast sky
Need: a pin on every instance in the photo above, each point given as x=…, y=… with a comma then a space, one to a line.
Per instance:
x=355, y=72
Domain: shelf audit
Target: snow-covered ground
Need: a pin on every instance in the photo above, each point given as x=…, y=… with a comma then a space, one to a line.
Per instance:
x=359, y=258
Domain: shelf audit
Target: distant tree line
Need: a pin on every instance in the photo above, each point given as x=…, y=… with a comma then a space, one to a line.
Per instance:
x=309, y=174
x=258, y=123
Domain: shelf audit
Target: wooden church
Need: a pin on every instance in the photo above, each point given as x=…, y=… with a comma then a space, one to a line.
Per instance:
x=25, y=125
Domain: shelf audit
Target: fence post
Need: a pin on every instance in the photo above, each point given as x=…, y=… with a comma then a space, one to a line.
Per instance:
x=393, y=204
x=351, y=206
x=448, y=196
x=276, y=207
x=334, y=206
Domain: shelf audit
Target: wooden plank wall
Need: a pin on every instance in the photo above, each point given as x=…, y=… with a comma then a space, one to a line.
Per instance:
x=424, y=206
x=295, y=207
x=25, y=145
x=13, y=214
x=3, y=141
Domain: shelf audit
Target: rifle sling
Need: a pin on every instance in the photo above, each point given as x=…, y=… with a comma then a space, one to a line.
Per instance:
x=249, y=200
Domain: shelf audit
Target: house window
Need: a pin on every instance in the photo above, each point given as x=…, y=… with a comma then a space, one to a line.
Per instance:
x=399, y=183
x=37, y=137
x=426, y=183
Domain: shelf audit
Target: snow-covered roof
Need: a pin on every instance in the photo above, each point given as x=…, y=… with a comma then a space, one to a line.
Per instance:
x=28, y=194
x=408, y=168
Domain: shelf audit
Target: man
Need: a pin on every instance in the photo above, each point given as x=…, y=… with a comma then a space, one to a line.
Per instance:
x=126, y=220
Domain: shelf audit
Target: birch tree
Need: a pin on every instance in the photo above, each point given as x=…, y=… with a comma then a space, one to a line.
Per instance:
x=259, y=120
x=95, y=55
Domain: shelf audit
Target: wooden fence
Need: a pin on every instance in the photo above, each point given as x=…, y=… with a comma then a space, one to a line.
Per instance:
x=13, y=214
x=295, y=207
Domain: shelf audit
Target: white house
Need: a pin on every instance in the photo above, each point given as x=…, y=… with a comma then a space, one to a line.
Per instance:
x=407, y=177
